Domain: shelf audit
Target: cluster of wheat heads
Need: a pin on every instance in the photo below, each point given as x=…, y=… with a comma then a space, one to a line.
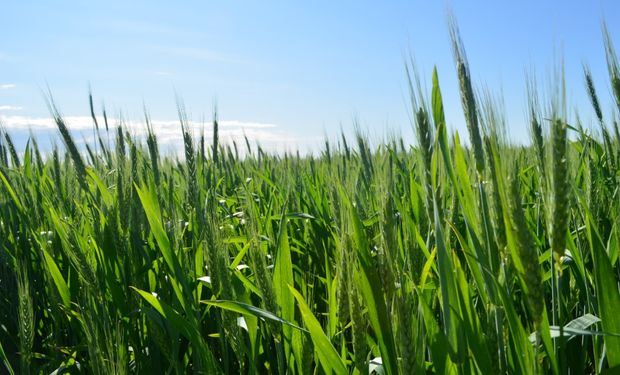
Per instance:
x=436, y=258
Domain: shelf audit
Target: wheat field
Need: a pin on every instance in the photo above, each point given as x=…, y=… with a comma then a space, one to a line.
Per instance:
x=452, y=255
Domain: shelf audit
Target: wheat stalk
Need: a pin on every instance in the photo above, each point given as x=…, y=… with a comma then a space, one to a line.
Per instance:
x=560, y=188
x=527, y=254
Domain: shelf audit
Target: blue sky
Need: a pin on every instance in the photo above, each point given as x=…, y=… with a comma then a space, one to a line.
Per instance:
x=286, y=73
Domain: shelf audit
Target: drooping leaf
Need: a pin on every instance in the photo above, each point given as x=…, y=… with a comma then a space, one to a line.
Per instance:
x=328, y=356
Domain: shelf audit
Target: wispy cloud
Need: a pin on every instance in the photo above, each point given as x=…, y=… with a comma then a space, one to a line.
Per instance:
x=10, y=108
x=169, y=134
x=141, y=27
x=6, y=86
x=193, y=53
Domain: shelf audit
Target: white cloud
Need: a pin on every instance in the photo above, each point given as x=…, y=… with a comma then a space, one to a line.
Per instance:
x=241, y=124
x=169, y=134
x=10, y=108
x=6, y=86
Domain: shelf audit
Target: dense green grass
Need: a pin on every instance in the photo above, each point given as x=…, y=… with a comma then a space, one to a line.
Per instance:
x=427, y=259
